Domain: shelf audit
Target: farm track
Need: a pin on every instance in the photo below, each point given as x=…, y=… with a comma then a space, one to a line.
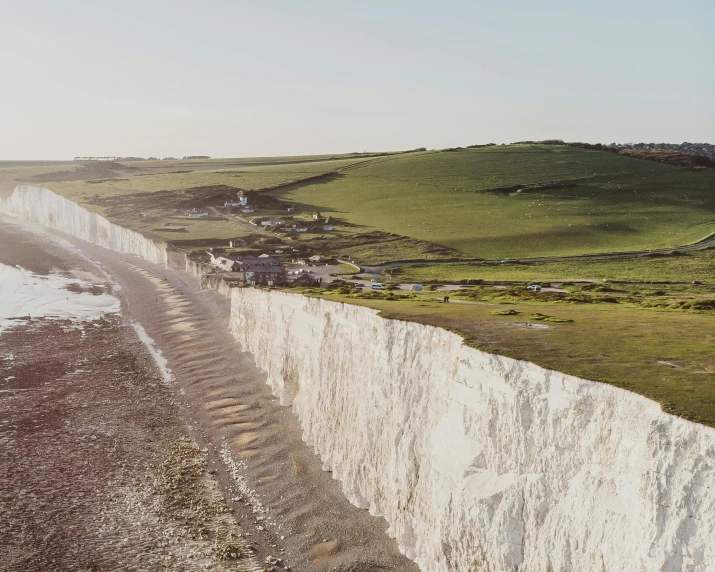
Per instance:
x=243, y=225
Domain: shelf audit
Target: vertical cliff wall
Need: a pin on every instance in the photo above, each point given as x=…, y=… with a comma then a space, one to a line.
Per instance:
x=42, y=206
x=482, y=462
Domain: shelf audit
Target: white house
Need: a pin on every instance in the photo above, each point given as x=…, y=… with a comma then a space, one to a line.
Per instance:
x=222, y=262
x=273, y=221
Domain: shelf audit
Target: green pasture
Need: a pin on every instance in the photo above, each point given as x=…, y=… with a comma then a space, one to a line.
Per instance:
x=181, y=179
x=13, y=173
x=593, y=201
x=697, y=265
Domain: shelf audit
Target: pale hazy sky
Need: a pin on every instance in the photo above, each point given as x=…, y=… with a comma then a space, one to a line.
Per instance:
x=238, y=78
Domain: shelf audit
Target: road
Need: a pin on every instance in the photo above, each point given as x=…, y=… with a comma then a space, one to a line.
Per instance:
x=708, y=242
x=239, y=222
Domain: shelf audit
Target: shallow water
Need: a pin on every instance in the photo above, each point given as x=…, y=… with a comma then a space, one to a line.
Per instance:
x=25, y=296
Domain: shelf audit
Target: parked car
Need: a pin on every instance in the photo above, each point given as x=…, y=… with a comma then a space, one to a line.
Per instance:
x=534, y=287
x=697, y=282
x=378, y=286
x=416, y=287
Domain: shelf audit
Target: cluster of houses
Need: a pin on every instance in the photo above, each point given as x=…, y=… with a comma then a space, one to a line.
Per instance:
x=264, y=270
x=252, y=270
x=318, y=223
x=321, y=223
x=241, y=202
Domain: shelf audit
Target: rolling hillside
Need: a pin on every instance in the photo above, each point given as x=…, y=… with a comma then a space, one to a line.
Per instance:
x=521, y=200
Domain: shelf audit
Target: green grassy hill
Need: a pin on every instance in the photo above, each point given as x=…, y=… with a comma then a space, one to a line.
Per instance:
x=521, y=200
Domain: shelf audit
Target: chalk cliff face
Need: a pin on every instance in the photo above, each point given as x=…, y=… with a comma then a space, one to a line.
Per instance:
x=41, y=205
x=476, y=461
x=482, y=462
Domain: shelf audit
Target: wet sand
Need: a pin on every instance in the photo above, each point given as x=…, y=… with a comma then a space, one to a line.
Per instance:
x=277, y=493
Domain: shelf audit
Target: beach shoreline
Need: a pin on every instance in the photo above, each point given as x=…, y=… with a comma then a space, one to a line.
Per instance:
x=287, y=507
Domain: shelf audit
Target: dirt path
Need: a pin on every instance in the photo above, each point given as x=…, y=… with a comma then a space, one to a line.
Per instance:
x=379, y=270
x=239, y=222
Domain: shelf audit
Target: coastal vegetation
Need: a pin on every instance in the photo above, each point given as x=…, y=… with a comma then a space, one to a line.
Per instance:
x=522, y=200
x=682, y=268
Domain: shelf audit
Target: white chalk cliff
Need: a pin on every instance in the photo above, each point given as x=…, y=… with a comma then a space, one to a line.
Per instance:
x=483, y=462
x=45, y=207
x=476, y=461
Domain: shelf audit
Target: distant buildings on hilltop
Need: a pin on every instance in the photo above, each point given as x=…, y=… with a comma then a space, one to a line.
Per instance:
x=96, y=158
x=115, y=158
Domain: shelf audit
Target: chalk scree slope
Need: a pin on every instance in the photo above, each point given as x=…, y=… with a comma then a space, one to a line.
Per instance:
x=476, y=461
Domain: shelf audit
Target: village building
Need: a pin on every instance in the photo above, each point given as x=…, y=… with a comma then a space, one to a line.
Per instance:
x=261, y=270
x=195, y=213
x=264, y=276
x=296, y=228
x=236, y=243
x=272, y=221
x=306, y=280
x=240, y=201
x=291, y=209
x=328, y=227
x=248, y=210
x=223, y=262
x=317, y=216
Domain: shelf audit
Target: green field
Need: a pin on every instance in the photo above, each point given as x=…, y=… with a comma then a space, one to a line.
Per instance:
x=165, y=190
x=697, y=265
x=181, y=178
x=597, y=201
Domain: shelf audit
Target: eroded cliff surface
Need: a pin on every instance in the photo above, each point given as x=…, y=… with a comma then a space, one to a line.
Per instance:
x=483, y=462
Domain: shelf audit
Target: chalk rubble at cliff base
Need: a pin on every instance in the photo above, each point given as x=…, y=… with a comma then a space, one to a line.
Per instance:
x=476, y=461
